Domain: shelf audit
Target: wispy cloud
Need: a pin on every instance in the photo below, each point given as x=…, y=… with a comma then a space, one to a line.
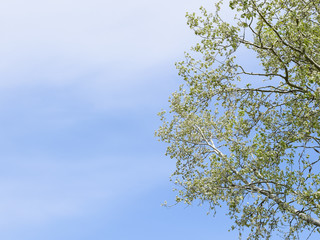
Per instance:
x=35, y=191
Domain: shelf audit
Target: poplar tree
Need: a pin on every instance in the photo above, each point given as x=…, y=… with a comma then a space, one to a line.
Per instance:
x=247, y=136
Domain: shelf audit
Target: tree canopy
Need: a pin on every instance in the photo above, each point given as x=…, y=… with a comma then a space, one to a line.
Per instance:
x=248, y=137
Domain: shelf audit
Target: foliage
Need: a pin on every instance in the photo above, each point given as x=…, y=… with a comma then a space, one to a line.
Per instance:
x=251, y=139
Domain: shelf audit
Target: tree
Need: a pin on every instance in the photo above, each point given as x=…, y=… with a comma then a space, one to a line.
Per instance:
x=250, y=138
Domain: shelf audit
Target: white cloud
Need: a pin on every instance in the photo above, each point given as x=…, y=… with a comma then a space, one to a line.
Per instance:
x=78, y=35
x=101, y=49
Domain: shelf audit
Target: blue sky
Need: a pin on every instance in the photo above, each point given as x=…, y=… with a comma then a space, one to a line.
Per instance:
x=81, y=83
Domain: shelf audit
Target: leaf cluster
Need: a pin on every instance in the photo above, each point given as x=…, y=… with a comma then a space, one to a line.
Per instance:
x=251, y=139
